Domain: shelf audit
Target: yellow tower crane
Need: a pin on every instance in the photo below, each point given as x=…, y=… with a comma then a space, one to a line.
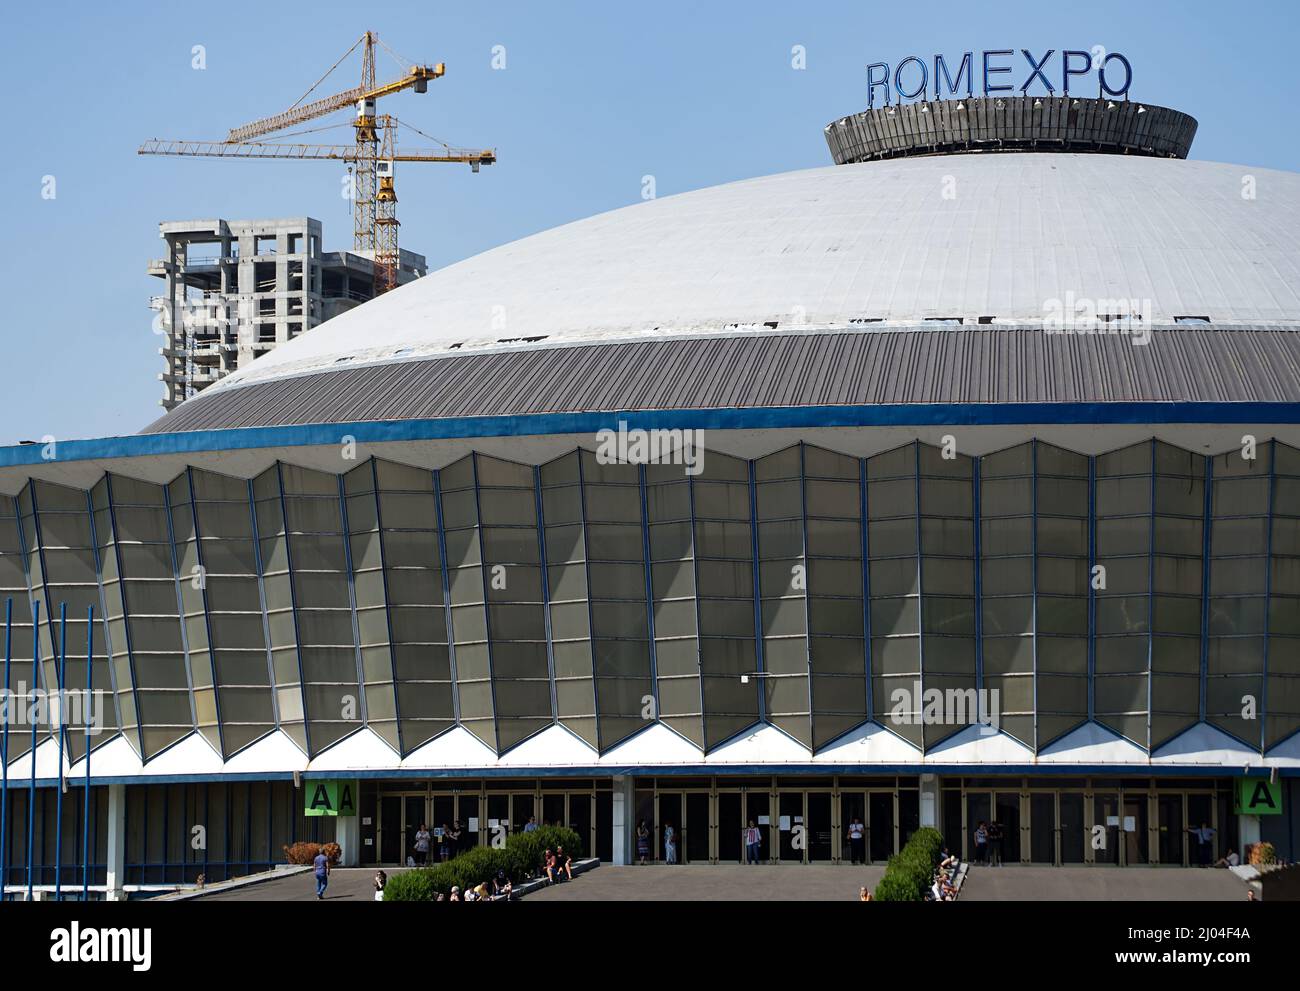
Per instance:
x=371, y=157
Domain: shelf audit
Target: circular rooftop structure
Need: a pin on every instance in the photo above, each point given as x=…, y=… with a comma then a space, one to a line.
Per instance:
x=919, y=279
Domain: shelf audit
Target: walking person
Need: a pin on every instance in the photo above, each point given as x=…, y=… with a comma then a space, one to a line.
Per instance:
x=753, y=843
x=422, y=839
x=643, y=841
x=670, y=844
x=981, y=843
x=857, y=841
x=321, y=868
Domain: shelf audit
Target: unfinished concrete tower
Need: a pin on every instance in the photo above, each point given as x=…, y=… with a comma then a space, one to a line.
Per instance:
x=234, y=290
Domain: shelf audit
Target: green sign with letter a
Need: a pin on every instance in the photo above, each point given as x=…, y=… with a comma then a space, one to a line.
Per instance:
x=329, y=798
x=1258, y=797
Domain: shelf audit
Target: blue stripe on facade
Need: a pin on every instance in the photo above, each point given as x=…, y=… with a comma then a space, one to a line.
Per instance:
x=755, y=418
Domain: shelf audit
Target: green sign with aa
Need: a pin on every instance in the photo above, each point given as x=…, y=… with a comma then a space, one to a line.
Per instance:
x=329, y=798
x=1258, y=797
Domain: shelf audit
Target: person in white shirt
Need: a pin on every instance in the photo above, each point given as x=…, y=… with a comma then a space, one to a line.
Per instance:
x=1229, y=860
x=857, y=841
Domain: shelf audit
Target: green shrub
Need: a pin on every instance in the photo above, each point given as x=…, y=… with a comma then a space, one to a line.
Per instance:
x=908, y=874
x=520, y=858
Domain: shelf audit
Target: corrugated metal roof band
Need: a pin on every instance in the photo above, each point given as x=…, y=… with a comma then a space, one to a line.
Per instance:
x=964, y=365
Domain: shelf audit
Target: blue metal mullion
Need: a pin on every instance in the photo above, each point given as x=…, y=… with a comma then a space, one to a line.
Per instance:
x=546, y=594
x=388, y=605
x=39, y=551
x=90, y=694
x=4, y=750
x=487, y=605
x=31, y=794
x=446, y=596
x=695, y=595
x=266, y=615
x=1033, y=482
x=126, y=616
x=362, y=701
x=759, y=658
x=919, y=704
x=807, y=590
x=207, y=612
x=180, y=605
x=293, y=602
x=866, y=588
x=1268, y=595
x=1092, y=589
x=977, y=512
x=60, y=670
x=1207, y=526
x=649, y=587
x=1151, y=596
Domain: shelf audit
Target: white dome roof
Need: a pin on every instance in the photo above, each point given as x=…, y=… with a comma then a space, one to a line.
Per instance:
x=843, y=245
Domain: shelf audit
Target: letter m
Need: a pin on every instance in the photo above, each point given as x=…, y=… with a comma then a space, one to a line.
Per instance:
x=953, y=85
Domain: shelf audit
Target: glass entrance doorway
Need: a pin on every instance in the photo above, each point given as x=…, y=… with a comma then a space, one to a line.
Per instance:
x=805, y=828
x=400, y=816
x=688, y=815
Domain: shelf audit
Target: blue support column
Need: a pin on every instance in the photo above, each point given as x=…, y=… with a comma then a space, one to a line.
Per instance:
x=866, y=588
x=1033, y=571
x=61, y=668
x=546, y=592
x=649, y=588
x=1268, y=594
x=446, y=596
x=31, y=794
x=363, y=704
x=1092, y=590
x=261, y=598
x=4, y=751
x=293, y=601
x=388, y=609
x=1207, y=524
x=918, y=703
x=90, y=697
x=1151, y=597
x=977, y=509
x=758, y=594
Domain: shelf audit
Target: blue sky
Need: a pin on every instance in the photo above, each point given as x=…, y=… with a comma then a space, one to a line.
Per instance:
x=594, y=96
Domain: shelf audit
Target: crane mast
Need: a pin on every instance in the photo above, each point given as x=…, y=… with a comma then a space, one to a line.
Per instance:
x=370, y=159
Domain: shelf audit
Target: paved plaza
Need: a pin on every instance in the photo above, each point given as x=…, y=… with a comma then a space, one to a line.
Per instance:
x=794, y=882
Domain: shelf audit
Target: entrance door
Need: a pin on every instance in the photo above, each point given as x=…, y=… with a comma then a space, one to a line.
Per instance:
x=499, y=823
x=731, y=827
x=1006, y=811
x=1172, y=830
x=467, y=808
x=1134, y=827
x=1105, y=836
x=791, y=827
x=880, y=826
x=1200, y=810
x=695, y=829
x=580, y=819
x=1074, y=833
x=671, y=807
x=1042, y=828
x=820, y=828
x=979, y=809
x=390, y=829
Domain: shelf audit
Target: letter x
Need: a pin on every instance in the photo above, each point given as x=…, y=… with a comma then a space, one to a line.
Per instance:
x=1038, y=70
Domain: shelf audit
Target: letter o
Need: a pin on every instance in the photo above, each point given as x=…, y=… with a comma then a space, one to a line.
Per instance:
x=1128, y=75
x=898, y=78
